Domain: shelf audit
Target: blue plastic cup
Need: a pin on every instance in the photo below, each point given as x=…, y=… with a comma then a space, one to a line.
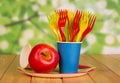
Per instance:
x=69, y=56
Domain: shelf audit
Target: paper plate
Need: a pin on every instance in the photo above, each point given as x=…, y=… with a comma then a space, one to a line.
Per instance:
x=55, y=74
x=24, y=54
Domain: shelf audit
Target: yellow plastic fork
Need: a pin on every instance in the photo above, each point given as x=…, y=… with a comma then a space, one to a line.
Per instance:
x=70, y=26
x=53, y=20
x=83, y=23
x=92, y=19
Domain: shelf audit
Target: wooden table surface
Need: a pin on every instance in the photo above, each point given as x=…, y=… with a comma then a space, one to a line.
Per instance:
x=107, y=71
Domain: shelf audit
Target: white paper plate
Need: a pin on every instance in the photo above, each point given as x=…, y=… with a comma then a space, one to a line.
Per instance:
x=24, y=56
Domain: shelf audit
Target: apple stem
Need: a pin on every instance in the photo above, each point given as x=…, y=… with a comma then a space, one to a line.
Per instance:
x=44, y=54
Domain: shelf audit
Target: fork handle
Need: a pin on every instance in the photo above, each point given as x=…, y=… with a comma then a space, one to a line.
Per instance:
x=85, y=33
x=62, y=34
x=74, y=34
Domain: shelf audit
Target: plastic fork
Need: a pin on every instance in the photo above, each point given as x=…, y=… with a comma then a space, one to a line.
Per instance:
x=53, y=18
x=90, y=26
x=82, y=25
x=70, y=24
x=61, y=24
x=76, y=24
x=67, y=30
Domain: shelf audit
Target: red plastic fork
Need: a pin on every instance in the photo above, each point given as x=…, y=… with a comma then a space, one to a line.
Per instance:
x=90, y=26
x=76, y=24
x=61, y=24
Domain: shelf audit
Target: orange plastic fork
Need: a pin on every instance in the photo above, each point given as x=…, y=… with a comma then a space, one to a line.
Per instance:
x=76, y=24
x=90, y=26
x=61, y=24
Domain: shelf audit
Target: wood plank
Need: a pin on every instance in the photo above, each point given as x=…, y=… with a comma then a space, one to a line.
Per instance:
x=81, y=79
x=13, y=76
x=5, y=61
x=102, y=74
x=46, y=80
x=116, y=56
x=110, y=62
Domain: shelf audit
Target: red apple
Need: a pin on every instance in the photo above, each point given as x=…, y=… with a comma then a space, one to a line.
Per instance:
x=43, y=58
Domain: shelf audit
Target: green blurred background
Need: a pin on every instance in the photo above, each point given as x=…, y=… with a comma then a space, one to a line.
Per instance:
x=25, y=21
